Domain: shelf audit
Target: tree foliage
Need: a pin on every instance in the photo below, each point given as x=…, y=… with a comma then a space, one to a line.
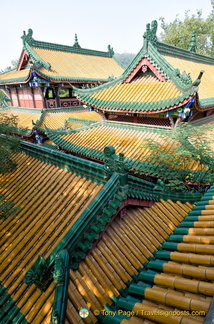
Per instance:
x=173, y=164
x=8, y=145
x=124, y=58
x=4, y=100
x=178, y=32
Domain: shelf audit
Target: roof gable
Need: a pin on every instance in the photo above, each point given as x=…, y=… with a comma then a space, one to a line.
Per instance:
x=76, y=48
x=144, y=65
x=23, y=60
x=56, y=62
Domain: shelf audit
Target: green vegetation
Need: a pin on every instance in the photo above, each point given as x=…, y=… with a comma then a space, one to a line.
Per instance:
x=192, y=147
x=178, y=32
x=125, y=58
x=8, y=145
x=4, y=100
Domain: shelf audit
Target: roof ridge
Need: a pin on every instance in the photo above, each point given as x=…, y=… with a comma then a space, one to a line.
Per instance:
x=38, y=60
x=28, y=39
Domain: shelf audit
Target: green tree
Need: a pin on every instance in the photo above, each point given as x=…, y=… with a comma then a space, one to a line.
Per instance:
x=124, y=58
x=4, y=100
x=173, y=163
x=8, y=146
x=178, y=32
x=14, y=64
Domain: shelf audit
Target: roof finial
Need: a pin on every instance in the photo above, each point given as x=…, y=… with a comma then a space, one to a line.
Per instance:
x=28, y=38
x=150, y=33
x=192, y=45
x=76, y=44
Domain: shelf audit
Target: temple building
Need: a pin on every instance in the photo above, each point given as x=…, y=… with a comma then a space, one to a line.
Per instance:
x=46, y=73
x=97, y=237
x=163, y=86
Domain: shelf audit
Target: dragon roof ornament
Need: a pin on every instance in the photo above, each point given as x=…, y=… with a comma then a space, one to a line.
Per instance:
x=150, y=33
x=28, y=37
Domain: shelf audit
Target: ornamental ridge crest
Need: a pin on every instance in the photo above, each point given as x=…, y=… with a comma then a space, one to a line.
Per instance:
x=28, y=37
x=150, y=33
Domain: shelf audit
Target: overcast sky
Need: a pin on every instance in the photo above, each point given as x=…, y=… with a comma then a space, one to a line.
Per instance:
x=120, y=23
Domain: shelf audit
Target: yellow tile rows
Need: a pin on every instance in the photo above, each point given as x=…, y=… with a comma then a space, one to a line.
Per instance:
x=15, y=74
x=57, y=120
x=127, y=243
x=51, y=200
x=194, y=68
x=24, y=118
x=148, y=90
x=78, y=65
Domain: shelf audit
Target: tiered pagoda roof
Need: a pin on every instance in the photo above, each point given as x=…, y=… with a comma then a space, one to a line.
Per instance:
x=132, y=139
x=161, y=77
x=53, y=118
x=61, y=63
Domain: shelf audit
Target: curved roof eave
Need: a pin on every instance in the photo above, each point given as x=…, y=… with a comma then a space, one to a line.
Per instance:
x=141, y=111
x=67, y=79
x=204, y=104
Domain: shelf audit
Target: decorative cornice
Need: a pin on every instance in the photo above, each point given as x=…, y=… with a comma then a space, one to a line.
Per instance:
x=137, y=166
x=192, y=45
x=35, y=60
x=137, y=107
x=12, y=81
x=145, y=62
x=170, y=50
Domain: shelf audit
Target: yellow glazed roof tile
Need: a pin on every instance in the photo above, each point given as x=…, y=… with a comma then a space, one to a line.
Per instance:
x=126, y=244
x=24, y=119
x=78, y=65
x=130, y=142
x=194, y=68
x=147, y=90
x=15, y=74
x=50, y=202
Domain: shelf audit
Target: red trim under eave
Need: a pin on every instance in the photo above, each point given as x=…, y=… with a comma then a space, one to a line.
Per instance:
x=145, y=61
x=139, y=111
x=197, y=107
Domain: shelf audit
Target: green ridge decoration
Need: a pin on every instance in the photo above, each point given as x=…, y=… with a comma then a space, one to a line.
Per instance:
x=61, y=277
x=150, y=33
x=118, y=186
